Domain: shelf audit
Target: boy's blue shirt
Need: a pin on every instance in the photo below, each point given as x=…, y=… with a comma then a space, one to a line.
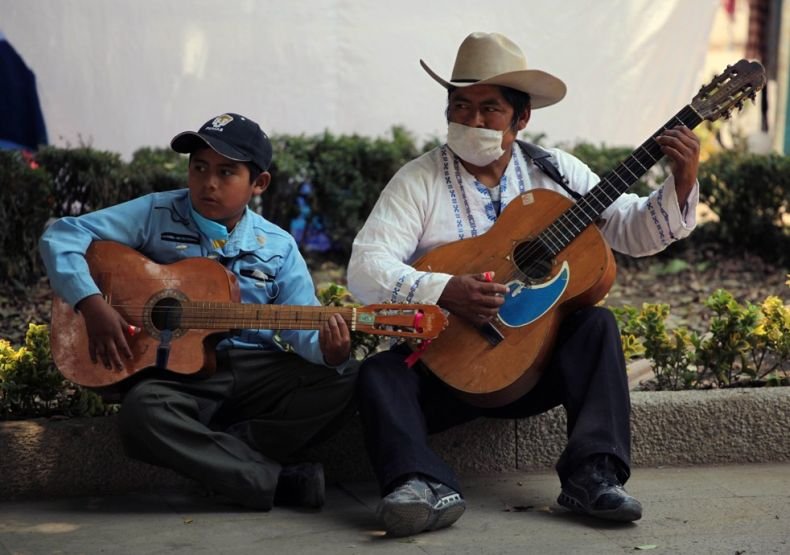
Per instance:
x=159, y=226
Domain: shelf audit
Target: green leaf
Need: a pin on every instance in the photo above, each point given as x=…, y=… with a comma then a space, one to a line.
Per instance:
x=674, y=266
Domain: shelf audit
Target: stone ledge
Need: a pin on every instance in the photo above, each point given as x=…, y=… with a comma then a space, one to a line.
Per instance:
x=53, y=458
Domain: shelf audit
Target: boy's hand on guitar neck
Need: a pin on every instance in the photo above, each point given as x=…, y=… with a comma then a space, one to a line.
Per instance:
x=335, y=340
x=106, y=339
x=474, y=297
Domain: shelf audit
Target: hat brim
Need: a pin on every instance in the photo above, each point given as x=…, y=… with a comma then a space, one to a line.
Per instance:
x=543, y=88
x=190, y=141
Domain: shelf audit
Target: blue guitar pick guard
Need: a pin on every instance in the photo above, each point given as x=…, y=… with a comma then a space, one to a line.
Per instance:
x=526, y=303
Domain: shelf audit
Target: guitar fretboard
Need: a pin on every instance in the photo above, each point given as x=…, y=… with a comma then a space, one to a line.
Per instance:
x=213, y=315
x=613, y=184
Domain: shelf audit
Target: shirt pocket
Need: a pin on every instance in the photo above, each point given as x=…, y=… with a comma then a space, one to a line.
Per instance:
x=257, y=280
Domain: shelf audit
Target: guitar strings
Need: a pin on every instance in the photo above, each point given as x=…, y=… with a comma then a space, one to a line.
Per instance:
x=539, y=245
x=201, y=315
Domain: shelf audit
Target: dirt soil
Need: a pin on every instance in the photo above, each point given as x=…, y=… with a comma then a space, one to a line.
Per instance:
x=683, y=280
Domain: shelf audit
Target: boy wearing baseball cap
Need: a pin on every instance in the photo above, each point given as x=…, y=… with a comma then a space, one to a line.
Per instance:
x=272, y=394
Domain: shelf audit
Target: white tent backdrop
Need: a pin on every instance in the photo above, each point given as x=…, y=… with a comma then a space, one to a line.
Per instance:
x=122, y=74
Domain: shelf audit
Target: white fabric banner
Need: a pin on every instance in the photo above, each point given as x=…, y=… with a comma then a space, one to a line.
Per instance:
x=124, y=74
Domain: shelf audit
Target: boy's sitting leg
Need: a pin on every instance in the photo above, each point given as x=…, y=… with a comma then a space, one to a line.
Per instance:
x=229, y=431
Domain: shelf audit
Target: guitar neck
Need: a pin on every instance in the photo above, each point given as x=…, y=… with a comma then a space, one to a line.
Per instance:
x=212, y=315
x=613, y=184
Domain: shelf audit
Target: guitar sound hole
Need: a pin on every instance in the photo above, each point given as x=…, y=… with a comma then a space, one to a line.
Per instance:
x=533, y=259
x=166, y=314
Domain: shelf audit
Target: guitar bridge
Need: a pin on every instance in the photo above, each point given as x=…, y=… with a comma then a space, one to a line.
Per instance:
x=491, y=334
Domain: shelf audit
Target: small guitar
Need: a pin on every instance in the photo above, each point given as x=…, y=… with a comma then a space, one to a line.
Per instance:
x=181, y=308
x=553, y=260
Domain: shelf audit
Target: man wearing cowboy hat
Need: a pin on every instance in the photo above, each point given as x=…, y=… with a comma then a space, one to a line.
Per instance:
x=457, y=191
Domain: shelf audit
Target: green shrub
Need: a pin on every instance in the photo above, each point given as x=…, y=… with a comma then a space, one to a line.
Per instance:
x=745, y=343
x=26, y=203
x=644, y=333
x=347, y=173
x=157, y=169
x=69, y=182
x=750, y=194
x=31, y=386
x=83, y=179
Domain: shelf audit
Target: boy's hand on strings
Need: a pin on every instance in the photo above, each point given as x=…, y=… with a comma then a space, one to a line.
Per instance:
x=106, y=332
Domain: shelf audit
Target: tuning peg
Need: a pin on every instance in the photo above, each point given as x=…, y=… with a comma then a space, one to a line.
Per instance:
x=739, y=105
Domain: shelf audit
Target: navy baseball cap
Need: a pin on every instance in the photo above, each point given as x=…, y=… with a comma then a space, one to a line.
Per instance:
x=230, y=135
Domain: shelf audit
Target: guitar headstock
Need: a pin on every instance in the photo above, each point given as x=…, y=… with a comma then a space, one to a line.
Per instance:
x=412, y=321
x=729, y=90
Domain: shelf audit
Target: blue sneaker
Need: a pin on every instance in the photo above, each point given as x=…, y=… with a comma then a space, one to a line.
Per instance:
x=418, y=505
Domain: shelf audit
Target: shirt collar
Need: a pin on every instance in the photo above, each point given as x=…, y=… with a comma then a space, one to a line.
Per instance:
x=245, y=237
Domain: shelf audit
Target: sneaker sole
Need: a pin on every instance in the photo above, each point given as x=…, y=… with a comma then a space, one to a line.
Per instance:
x=627, y=512
x=405, y=519
x=408, y=519
x=449, y=515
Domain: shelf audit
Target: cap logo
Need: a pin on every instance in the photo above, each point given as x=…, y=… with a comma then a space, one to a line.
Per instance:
x=219, y=122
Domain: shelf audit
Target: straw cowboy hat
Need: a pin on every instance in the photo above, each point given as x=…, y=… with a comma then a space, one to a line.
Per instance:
x=493, y=59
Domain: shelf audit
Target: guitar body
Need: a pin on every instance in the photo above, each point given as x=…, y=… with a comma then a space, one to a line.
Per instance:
x=494, y=373
x=133, y=284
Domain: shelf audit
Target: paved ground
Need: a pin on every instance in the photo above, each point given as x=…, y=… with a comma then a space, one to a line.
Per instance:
x=732, y=510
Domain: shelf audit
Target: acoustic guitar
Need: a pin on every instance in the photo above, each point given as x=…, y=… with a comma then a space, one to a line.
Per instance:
x=553, y=259
x=183, y=308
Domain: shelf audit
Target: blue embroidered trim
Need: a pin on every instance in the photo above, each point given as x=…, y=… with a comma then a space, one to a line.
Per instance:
x=519, y=174
x=453, y=198
x=486, y=193
x=481, y=188
x=469, y=217
x=396, y=290
x=656, y=222
x=413, y=288
x=502, y=191
x=665, y=214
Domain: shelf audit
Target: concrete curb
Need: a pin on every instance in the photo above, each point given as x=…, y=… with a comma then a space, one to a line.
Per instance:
x=54, y=458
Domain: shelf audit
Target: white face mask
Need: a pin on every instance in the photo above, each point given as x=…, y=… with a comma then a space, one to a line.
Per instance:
x=476, y=145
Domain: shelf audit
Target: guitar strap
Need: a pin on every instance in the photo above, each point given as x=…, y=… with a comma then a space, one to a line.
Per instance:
x=545, y=161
